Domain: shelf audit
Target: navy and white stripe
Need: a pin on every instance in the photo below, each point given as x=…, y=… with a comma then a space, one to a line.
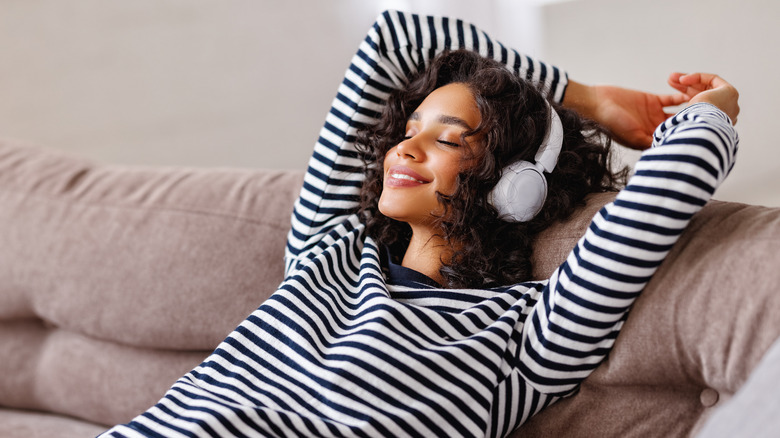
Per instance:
x=337, y=351
x=397, y=45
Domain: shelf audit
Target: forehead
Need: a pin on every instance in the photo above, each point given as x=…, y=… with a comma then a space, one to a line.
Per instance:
x=452, y=104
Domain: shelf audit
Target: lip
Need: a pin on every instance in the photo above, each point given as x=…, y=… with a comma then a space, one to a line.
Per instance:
x=402, y=176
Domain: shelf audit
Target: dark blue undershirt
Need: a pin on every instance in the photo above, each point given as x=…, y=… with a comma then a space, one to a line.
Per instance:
x=403, y=276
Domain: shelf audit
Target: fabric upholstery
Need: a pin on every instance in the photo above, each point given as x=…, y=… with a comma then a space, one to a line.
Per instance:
x=753, y=410
x=692, y=338
x=114, y=281
x=26, y=424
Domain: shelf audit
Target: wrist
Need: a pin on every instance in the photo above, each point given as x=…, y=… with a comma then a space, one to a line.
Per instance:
x=704, y=108
x=581, y=98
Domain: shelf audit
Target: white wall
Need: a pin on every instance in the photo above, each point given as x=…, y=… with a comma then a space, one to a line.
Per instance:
x=247, y=82
x=186, y=82
x=637, y=43
x=195, y=82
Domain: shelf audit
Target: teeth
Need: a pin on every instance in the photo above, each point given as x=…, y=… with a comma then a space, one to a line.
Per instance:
x=404, y=176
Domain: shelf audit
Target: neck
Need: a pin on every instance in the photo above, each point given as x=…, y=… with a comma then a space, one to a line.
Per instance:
x=425, y=254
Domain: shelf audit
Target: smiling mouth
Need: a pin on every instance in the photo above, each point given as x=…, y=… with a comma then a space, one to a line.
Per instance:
x=406, y=177
x=402, y=176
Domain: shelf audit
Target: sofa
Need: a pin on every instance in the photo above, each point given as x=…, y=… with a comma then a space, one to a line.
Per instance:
x=116, y=280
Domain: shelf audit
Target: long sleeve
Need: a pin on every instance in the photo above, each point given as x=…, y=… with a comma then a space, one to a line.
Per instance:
x=583, y=307
x=396, y=47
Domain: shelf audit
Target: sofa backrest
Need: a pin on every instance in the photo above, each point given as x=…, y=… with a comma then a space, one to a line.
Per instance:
x=114, y=281
x=691, y=339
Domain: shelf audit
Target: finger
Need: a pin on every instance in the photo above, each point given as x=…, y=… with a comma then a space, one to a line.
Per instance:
x=700, y=82
x=707, y=80
x=718, y=82
x=674, y=82
x=695, y=79
x=675, y=77
x=673, y=99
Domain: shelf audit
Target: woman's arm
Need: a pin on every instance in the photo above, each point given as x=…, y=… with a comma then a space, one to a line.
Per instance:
x=396, y=47
x=573, y=327
x=630, y=115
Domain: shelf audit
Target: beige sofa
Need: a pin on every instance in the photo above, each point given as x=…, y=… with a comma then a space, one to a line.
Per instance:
x=114, y=281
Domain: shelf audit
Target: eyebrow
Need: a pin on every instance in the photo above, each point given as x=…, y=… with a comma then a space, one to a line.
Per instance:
x=447, y=120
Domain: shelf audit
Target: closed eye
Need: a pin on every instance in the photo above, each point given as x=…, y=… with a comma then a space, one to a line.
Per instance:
x=449, y=143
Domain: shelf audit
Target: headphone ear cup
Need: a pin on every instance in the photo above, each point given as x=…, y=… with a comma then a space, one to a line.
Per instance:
x=520, y=193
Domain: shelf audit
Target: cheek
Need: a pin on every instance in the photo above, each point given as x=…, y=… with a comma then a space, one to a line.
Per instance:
x=387, y=158
x=448, y=185
x=448, y=176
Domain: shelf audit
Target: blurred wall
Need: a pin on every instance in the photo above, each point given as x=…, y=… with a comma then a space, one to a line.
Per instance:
x=637, y=43
x=192, y=82
x=248, y=82
x=183, y=82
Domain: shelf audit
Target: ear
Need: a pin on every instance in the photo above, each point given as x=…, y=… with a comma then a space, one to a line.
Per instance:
x=520, y=193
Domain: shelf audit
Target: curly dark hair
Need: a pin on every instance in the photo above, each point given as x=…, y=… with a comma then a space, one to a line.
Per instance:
x=487, y=251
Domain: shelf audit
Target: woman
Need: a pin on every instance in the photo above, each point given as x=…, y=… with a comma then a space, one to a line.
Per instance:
x=502, y=120
x=361, y=339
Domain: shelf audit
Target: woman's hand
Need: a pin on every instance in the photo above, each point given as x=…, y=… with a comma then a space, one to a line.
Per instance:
x=705, y=87
x=630, y=115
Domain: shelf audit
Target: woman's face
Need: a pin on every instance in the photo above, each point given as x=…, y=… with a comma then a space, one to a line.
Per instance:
x=430, y=157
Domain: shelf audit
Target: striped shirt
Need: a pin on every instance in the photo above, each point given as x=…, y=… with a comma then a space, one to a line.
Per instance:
x=339, y=352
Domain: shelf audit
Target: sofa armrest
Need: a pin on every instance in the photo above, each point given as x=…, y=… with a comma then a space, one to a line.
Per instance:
x=753, y=410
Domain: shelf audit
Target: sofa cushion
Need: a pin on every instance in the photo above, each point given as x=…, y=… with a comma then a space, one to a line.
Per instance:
x=115, y=281
x=154, y=257
x=57, y=370
x=24, y=424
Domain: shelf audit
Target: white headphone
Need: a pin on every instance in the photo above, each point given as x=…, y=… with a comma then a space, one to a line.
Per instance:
x=520, y=193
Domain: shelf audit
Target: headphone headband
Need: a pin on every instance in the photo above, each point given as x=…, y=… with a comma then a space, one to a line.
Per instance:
x=548, y=152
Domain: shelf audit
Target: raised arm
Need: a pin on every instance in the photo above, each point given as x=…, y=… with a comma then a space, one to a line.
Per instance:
x=630, y=115
x=583, y=307
x=397, y=46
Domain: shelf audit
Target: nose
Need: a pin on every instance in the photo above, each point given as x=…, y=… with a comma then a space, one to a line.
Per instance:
x=411, y=148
